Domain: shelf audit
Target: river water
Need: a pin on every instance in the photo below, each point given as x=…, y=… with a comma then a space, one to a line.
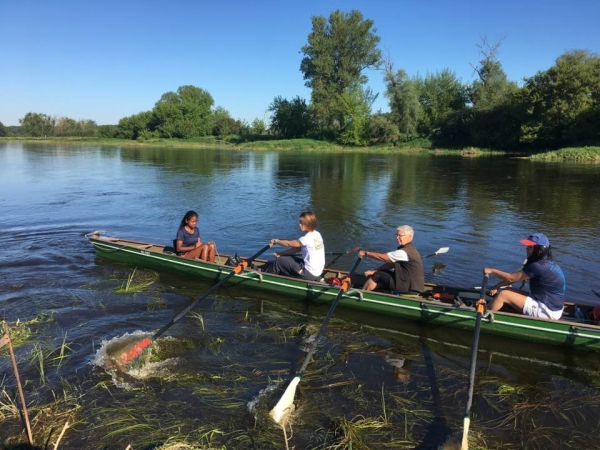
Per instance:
x=197, y=388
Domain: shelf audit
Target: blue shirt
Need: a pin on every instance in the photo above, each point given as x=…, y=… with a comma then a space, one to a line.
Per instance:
x=188, y=239
x=547, y=283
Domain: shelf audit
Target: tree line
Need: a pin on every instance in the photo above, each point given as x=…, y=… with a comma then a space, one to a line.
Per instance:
x=558, y=107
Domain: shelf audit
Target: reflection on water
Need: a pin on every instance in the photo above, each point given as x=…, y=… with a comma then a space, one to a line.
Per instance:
x=202, y=376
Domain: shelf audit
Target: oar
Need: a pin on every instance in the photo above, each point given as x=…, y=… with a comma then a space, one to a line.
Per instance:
x=339, y=255
x=129, y=356
x=438, y=252
x=480, y=308
x=287, y=400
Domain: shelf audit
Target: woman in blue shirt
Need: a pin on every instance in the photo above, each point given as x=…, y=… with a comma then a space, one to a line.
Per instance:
x=188, y=243
x=546, y=281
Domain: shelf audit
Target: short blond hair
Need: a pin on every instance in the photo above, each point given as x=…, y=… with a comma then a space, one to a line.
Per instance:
x=309, y=220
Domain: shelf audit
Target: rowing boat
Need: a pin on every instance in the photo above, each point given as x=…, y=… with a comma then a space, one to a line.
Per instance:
x=438, y=305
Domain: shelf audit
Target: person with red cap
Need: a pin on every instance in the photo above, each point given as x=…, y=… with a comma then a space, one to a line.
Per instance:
x=546, y=282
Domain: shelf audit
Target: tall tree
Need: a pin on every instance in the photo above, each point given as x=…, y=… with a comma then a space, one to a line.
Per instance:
x=440, y=94
x=2, y=130
x=492, y=86
x=403, y=95
x=134, y=126
x=354, y=112
x=494, y=119
x=184, y=114
x=291, y=119
x=563, y=102
x=37, y=124
x=337, y=52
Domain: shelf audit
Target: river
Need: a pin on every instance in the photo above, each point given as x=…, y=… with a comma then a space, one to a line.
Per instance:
x=198, y=387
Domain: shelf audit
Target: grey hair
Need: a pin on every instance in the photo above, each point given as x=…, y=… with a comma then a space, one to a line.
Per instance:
x=407, y=230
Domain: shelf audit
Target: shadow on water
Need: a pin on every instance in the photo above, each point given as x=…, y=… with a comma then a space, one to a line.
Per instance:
x=438, y=431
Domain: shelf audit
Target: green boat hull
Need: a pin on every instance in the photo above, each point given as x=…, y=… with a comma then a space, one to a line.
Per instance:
x=431, y=311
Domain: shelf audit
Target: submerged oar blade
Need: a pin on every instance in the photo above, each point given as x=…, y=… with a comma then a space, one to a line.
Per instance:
x=285, y=405
x=134, y=352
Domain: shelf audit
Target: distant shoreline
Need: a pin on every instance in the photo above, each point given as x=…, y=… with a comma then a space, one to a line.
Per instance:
x=589, y=154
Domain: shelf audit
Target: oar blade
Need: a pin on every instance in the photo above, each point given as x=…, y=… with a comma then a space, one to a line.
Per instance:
x=438, y=252
x=128, y=357
x=285, y=405
x=465, y=437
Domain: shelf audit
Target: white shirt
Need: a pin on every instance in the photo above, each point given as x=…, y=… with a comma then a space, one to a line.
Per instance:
x=398, y=255
x=313, y=252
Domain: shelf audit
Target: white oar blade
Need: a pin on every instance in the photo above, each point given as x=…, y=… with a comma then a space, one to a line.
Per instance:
x=442, y=250
x=465, y=438
x=285, y=405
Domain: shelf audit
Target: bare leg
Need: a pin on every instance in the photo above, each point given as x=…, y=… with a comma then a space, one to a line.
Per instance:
x=193, y=254
x=369, y=285
x=211, y=252
x=204, y=252
x=508, y=297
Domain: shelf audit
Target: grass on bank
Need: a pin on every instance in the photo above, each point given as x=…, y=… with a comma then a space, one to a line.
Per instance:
x=586, y=154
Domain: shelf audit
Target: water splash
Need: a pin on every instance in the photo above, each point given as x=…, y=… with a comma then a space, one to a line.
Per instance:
x=108, y=358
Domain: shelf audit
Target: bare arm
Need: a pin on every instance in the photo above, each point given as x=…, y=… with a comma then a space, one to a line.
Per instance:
x=387, y=262
x=506, y=278
x=294, y=244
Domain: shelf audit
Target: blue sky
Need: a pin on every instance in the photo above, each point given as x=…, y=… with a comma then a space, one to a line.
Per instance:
x=107, y=60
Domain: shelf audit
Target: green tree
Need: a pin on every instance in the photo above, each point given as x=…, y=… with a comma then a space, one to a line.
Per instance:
x=354, y=111
x=337, y=52
x=403, y=95
x=563, y=102
x=382, y=130
x=131, y=127
x=2, y=130
x=184, y=114
x=107, y=131
x=440, y=94
x=291, y=119
x=258, y=126
x=66, y=126
x=37, y=124
x=492, y=87
x=493, y=120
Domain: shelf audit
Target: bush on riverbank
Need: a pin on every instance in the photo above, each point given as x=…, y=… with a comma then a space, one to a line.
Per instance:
x=581, y=154
x=577, y=154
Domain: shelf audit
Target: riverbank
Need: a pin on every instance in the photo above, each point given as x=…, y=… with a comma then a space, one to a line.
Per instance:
x=589, y=154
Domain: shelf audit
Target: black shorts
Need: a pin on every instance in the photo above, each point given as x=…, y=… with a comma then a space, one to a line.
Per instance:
x=385, y=279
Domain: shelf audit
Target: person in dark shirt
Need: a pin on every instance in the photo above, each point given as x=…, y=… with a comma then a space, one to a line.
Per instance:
x=188, y=243
x=402, y=269
x=546, y=282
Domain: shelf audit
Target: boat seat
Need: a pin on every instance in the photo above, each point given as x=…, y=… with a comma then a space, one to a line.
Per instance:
x=170, y=250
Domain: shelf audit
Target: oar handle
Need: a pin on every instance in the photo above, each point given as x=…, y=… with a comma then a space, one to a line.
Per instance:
x=343, y=288
x=475, y=345
x=237, y=269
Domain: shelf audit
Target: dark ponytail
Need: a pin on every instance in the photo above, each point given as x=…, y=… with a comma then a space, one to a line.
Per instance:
x=540, y=252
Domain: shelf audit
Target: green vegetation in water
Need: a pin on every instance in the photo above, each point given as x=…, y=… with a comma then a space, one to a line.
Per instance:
x=580, y=154
x=142, y=281
x=347, y=399
x=21, y=331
